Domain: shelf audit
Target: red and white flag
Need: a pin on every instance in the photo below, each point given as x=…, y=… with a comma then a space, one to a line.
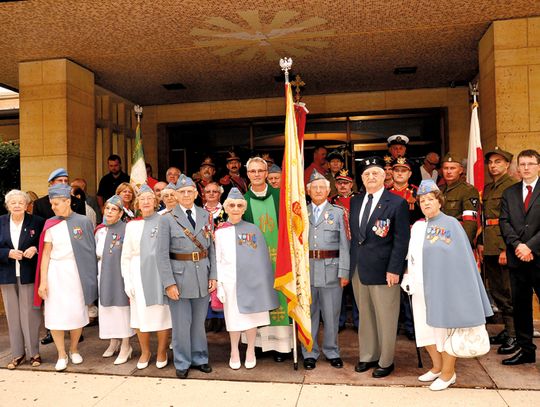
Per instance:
x=475, y=157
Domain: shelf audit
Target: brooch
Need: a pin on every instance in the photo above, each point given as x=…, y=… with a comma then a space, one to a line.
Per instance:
x=77, y=232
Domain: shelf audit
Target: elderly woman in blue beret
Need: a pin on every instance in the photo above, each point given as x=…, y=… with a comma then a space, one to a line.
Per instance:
x=113, y=301
x=19, y=238
x=443, y=278
x=245, y=278
x=68, y=273
x=148, y=307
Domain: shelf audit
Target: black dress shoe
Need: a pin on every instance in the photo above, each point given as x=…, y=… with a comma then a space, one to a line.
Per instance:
x=182, y=374
x=365, y=366
x=341, y=328
x=520, y=358
x=508, y=347
x=47, y=339
x=500, y=338
x=280, y=357
x=336, y=362
x=310, y=363
x=219, y=324
x=205, y=368
x=382, y=371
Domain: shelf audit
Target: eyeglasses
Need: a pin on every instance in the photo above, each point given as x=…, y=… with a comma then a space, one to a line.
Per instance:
x=256, y=171
x=239, y=206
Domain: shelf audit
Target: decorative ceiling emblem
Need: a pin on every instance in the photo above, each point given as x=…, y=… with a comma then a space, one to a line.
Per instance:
x=253, y=38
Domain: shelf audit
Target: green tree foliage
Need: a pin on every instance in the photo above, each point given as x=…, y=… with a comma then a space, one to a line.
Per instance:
x=10, y=169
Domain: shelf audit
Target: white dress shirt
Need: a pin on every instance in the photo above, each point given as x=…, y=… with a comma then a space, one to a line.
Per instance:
x=525, y=190
x=320, y=207
x=376, y=197
x=193, y=213
x=15, y=231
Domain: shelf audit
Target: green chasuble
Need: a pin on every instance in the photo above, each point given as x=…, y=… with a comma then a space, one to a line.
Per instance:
x=263, y=211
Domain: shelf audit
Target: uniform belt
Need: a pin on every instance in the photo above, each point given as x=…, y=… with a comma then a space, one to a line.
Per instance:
x=193, y=256
x=492, y=222
x=323, y=254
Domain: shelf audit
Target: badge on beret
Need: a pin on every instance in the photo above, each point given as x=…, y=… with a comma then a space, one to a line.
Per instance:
x=77, y=232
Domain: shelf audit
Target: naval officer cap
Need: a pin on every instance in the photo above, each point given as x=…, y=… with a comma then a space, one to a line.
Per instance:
x=505, y=154
x=427, y=186
x=235, y=193
x=59, y=191
x=315, y=176
x=59, y=172
x=116, y=200
x=398, y=139
x=274, y=169
x=452, y=158
x=372, y=162
x=184, y=182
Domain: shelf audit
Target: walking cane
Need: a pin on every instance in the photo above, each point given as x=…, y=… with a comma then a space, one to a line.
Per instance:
x=418, y=355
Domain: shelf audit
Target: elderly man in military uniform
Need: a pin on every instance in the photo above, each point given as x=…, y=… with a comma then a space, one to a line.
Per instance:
x=397, y=145
x=461, y=200
x=187, y=267
x=492, y=248
x=329, y=269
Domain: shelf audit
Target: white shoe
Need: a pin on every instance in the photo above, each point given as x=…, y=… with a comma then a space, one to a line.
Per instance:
x=440, y=384
x=234, y=365
x=250, y=365
x=76, y=358
x=161, y=365
x=143, y=365
x=112, y=349
x=121, y=359
x=429, y=376
x=61, y=364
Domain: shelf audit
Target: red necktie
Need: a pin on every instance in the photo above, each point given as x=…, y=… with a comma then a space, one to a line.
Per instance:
x=528, y=197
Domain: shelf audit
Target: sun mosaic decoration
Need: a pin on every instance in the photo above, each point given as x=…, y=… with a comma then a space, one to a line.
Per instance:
x=255, y=38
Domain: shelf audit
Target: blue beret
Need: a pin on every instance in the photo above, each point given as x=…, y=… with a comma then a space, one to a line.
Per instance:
x=235, y=193
x=59, y=172
x=116, y=200
x=427, y=186
x=315, y=175
x=274, y=169
x=145, y=188
x=184, y=182
x=59, y=191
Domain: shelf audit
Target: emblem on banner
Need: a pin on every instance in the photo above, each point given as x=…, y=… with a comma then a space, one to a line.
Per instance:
x=77, y=232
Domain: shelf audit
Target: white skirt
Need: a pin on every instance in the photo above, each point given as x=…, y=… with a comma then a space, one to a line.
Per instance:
x=236, y=321
x=114, y=322
x=146, y=318
x=64, y=307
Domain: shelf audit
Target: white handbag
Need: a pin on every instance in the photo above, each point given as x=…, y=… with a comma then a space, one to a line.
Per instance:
x=467, y=342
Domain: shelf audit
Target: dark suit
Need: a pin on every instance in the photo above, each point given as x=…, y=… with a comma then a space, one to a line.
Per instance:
x=30, y=231
x=371, y=259
x=520, y=226
x=42, y=207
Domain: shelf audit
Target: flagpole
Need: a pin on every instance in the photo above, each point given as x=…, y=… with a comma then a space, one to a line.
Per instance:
x=285, y=64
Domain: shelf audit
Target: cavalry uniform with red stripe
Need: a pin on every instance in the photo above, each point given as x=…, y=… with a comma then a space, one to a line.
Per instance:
x=461, y=200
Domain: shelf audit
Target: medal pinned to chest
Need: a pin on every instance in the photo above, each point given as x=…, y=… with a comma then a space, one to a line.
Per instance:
x=328, y=218
x=77, y=232
x=435, y=233
x=208, y=231
x=153, y=232
x=116, y=241
x=381, y=227
x=247, y=239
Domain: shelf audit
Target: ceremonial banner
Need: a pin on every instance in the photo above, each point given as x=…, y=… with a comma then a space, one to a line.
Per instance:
x=475, y=157
x=292, y=269
x=138, y=166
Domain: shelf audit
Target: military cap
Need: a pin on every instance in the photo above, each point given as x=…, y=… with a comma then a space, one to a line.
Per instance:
x=372, y=162
x=145, y=188
x=208, y=161
x=505, y=154
x=116, y=200
x=274, y=169
x=184, y=182
x=235, y=193
x=335, y=154
x=398, y=139
x=402, y=162
x=59, y=191
x=315, y=176
x=172, y=186
x=388, y=160
x=427, y=186
x=232, y=156
x=59, y=172
x=266, y=157
x=343, y=175
x=452, y=158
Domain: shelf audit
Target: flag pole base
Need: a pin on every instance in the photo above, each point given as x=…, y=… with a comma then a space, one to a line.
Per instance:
x=295, y=348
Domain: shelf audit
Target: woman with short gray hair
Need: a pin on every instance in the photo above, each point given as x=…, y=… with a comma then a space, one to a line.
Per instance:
x=19, y=238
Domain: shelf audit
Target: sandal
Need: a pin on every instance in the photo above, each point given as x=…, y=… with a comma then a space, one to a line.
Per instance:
x=35, y=361
x=16, y=362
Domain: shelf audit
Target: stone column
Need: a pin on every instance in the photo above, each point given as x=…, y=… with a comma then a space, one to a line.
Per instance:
x=57, y=122
x=509, y=58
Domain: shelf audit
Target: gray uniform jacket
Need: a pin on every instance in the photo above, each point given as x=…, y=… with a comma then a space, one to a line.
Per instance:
x=191, y=277
x=328, y=233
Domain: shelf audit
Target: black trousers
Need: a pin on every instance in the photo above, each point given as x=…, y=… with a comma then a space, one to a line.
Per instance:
x=499, y=287
x=524, y=280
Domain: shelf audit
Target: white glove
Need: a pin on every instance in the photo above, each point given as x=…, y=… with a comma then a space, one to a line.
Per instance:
x=221, y=293
x=130, y=291
x=406, y=284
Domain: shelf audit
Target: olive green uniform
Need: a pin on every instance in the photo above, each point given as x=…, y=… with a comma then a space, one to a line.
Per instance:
x=461, y=201
x=497, y=276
